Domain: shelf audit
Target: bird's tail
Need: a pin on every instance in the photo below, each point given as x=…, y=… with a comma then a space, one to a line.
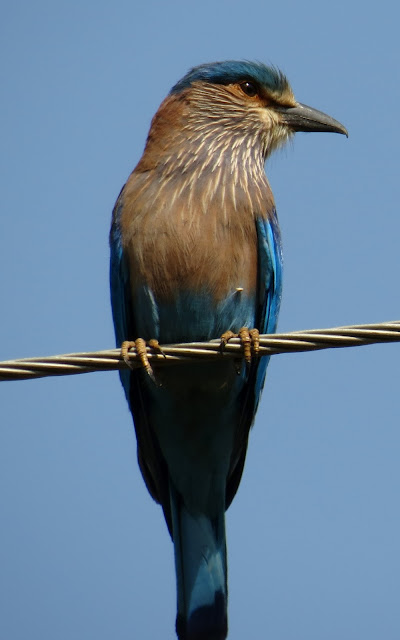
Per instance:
x=201, y=573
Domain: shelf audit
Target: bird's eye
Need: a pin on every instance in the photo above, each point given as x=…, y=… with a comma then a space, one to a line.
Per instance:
x=249, y=88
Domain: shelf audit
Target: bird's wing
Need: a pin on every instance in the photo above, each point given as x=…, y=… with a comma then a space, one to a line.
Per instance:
x=269, y=285
x=125, y=329
x=119, y=278
x=268, y=298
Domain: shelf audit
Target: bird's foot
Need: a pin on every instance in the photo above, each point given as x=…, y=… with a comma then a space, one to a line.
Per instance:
x=140, y=347
x=250, y=341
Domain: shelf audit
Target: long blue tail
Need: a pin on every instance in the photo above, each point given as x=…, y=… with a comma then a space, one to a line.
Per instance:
x=201, y=573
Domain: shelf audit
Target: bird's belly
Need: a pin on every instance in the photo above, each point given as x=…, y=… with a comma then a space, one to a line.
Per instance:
x=194, y=278
x=192, y=316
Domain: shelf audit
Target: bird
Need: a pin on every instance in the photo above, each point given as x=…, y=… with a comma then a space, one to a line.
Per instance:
x=196, y=255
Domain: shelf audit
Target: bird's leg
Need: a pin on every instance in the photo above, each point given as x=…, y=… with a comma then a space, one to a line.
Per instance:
x=249, y=338
x=140, y=346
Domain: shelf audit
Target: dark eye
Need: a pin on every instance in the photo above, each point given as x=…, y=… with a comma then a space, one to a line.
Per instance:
x=249, y=88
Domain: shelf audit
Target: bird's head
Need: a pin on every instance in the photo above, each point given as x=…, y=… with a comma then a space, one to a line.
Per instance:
x=227, y=114
x=251, y=100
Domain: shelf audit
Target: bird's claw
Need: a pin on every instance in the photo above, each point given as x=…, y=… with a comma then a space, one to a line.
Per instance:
x=250, y=341
x=225, y=339
x=155, y=345
x=255, y=341
x=140, y=347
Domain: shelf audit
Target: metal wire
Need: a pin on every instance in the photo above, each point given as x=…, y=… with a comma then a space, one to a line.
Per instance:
x=296, y=341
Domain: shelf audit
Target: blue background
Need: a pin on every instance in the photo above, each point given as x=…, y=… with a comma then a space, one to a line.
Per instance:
x=313, y=534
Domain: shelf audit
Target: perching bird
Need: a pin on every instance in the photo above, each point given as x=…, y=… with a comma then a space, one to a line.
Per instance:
x=195, y=254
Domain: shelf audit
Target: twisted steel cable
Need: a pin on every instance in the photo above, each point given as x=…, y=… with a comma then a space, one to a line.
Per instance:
x=271, y=344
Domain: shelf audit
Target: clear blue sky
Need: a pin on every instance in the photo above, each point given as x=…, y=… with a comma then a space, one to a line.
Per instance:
x=314, y=532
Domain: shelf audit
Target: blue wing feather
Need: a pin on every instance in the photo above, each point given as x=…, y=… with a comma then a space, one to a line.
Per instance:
x=270, y=285
x=268, y=303
x=119, y=289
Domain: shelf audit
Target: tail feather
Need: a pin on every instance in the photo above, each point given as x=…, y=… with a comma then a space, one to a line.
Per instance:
x=201, y=572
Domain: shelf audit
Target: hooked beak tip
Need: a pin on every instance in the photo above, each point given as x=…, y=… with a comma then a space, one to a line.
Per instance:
x=304, y=118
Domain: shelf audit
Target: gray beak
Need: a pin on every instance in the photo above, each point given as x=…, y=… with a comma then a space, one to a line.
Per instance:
x=304, y=118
